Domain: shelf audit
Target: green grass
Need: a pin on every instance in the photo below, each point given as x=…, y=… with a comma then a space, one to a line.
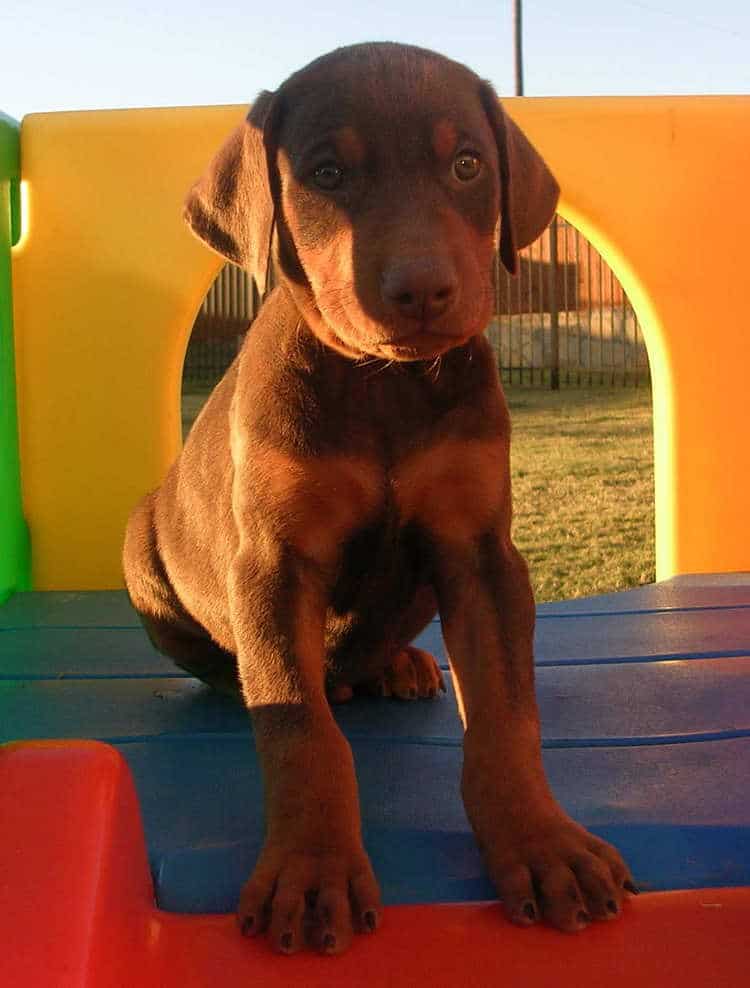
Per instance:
x=583, y=489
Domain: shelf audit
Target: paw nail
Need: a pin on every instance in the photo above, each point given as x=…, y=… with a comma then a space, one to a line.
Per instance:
x=286, y=941
x=612, y=906
x=246, y=927
x=371, y=920
x=329, y=941
x=583, y=917
x=529, y=911
x=629, y=887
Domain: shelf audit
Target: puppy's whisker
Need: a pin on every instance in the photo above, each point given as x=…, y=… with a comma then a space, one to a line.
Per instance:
x=436, y=366
x=385, y=364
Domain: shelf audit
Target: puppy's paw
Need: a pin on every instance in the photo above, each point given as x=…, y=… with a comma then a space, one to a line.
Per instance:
x=411, y=673
x=314, y=899
x=557, y=871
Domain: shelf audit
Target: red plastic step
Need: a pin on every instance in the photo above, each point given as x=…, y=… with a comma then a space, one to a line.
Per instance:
x=77, y=906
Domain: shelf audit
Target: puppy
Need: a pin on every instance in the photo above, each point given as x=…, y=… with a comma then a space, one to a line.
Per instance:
x=350, y=476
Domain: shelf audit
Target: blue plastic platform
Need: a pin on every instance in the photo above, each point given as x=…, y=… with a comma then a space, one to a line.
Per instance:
x=645, y=702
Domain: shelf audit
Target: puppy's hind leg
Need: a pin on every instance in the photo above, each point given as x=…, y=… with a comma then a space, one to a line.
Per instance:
x=196, y=654
x=170, y=628
x=405, y=672
x=411, y=674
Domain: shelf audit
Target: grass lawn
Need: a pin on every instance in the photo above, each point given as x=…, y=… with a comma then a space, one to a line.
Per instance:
x=583, y=488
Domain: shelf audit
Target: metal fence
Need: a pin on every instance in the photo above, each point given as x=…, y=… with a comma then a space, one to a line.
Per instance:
x=219, y=329
x=563, y=321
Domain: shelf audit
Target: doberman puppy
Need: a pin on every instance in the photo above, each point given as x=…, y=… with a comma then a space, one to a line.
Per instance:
x=350, y=476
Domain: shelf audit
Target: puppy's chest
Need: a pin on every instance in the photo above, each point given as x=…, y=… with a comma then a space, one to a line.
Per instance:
x=399, y=448
x=449, y=491
x=452, y=489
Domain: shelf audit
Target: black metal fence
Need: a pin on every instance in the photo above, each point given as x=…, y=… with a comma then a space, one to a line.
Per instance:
x=563, y=321
x=219, y=329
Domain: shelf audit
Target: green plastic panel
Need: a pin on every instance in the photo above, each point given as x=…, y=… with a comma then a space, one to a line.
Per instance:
x=15, y=564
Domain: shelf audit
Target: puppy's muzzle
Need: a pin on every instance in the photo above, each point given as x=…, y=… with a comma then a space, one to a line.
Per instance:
x=419, y=290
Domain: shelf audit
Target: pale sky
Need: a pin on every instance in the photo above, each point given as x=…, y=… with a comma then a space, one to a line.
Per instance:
x=91, y=54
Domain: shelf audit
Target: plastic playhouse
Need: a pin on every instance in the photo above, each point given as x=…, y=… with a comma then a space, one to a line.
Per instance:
x=130, y=801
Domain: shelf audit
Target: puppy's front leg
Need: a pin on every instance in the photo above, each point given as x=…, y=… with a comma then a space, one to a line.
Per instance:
x=541, y=861
x=313, y=864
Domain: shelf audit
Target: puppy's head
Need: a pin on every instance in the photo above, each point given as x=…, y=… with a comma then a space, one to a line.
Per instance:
x=384, y=169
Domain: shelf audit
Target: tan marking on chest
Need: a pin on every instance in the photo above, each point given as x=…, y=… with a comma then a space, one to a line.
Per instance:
x=455, y=488
x=315, y=503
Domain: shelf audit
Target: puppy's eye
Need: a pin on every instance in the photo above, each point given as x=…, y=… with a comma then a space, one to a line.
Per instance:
x=328, y=176
x=467, y=166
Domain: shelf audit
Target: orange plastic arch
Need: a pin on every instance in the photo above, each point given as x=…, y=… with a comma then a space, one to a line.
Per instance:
x=658, y=185
x=107, y=281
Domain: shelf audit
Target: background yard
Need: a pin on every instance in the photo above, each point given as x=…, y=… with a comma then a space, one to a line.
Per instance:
x=583, y=487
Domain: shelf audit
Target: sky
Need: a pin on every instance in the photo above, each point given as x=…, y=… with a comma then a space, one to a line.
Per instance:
x=94, y=54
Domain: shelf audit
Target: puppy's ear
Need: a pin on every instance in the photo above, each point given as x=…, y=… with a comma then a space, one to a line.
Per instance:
x=528, y=190
x=230, y=207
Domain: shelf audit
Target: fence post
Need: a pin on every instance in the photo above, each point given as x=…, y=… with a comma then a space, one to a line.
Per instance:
x=554, y=315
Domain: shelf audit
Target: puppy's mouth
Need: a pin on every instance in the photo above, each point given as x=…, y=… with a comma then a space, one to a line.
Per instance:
x=423, y=345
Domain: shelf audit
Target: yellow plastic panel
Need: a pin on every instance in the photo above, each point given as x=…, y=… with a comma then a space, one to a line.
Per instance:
x=107, y=281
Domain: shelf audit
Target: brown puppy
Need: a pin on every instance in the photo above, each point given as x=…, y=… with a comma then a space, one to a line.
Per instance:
x=349, y=476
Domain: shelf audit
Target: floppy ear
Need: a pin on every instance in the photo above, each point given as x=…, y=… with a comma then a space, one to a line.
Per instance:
x=230, y=207
x=528, y=189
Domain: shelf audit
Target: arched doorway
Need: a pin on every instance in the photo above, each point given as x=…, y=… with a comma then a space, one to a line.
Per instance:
x=576, y=374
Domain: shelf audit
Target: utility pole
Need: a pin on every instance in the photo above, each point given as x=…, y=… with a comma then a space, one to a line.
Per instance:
x=518, y=45
x=554, y=315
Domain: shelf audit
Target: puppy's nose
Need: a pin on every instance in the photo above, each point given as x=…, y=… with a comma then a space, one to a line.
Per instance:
x=422, y=288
